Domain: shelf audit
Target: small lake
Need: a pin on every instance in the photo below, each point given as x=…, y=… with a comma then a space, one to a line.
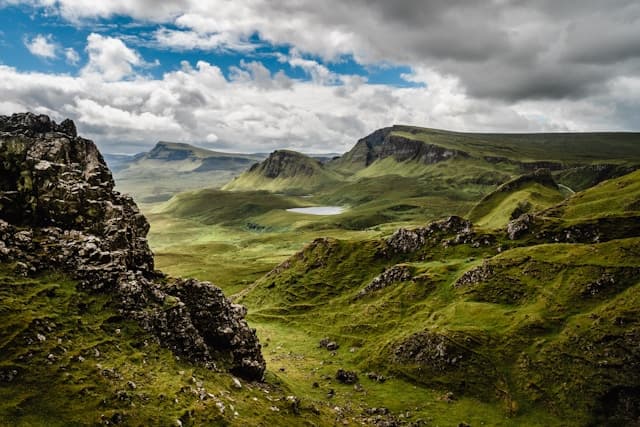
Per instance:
x=318, y=210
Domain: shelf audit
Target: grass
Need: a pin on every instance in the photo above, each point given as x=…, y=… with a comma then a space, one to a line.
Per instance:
x=496, y=209
x=616, y=197
x=315, y=294
x=539, y=341
x=296, y=174
x=77, y=362
x=570, y=148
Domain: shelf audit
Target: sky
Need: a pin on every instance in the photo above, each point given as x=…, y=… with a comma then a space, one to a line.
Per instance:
x=315, y=76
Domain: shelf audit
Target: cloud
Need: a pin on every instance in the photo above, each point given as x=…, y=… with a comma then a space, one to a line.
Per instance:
x=109, y=58
x=319, y=73
x=191, y=40
x=501, y=50
x=42, y=46
x=198, y=104
x=72, y=57
x=503, y=65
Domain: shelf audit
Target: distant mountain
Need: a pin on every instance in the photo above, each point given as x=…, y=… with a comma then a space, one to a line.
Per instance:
x=287, y=171
x=530, y=151
x=172, y=167
x=577, y=159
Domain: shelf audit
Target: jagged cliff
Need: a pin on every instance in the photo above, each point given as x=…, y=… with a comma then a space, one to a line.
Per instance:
x=59, y=211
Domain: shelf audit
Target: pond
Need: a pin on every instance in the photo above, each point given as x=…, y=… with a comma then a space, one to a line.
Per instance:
x=319, y=210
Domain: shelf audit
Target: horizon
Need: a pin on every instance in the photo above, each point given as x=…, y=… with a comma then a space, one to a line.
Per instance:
x=203, y=147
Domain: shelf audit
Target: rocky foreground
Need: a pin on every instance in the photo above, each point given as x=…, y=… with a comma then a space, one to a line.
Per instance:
x=59, y=211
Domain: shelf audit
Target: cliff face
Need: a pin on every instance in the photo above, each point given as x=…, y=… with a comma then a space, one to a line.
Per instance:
x=383, y=143
x=58, y=211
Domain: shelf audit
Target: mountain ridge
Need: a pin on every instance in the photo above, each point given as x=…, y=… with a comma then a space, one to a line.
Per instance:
x=413, y=146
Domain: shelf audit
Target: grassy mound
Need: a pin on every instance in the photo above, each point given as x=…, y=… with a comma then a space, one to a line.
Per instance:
x=528, y=193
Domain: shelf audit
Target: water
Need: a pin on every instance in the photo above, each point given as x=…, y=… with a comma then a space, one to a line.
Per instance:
x=319, y=210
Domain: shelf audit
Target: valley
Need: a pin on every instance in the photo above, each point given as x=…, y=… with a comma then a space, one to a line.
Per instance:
x=441, y=285
x=455, y=283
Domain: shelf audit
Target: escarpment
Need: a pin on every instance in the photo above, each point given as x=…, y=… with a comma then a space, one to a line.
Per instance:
x=59, y=211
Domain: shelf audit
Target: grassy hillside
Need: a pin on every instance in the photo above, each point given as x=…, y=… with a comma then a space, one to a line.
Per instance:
x=616, y=197
x=67, y=358
x=528, y=193
x=538, y=332
x=586, y=148
x=285, y=171
x=466, y=327
x=226, y=208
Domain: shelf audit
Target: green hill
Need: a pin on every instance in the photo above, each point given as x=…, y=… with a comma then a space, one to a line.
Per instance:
x=542, y=330
x=285, y=171
x=224, y=207
x=557, y=148
x=615, y=197
x=509, y=320
x=527, y=193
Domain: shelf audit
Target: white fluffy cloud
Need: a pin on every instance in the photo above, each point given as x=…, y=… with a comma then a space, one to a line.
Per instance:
x=257, y=110
x=507, y=50
x=109, y=58
x=42, y=46
x=72, y=57
x=190, y=40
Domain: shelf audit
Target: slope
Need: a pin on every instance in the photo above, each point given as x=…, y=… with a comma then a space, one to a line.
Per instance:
x=67, y=357
x=539, y=326
x=611, y=198
x=527, y=193
x=556, y=148
x=285, y=171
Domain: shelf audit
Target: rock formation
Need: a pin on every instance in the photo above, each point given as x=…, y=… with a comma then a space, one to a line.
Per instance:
x=384, y=143
x=397, y=273
x=408, y=241
x=59, y=211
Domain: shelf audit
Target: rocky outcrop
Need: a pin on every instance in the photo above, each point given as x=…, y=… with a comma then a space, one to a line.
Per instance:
x=405, y=241
x=431, y=349
x=397, y=273
x=476, y=275
x=59, y=210
x=520, y=226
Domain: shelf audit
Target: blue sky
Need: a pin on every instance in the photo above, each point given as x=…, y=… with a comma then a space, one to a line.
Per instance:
x=257, y=75
x=21, y=23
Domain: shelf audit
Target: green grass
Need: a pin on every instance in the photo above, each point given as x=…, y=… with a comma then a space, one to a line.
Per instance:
x=505, y=318
x=296, y=174
x=224, y=207
x=496, y=209
x=615, y=197
x=540, y=339
x=584, y=148
x=76, y=360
